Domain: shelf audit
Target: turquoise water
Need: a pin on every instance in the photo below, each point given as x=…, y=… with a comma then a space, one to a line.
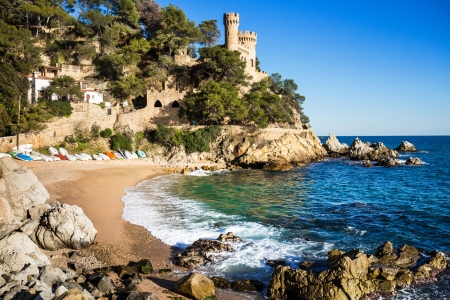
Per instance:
x=302, y=214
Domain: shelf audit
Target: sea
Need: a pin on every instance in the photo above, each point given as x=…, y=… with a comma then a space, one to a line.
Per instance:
x=300, y=215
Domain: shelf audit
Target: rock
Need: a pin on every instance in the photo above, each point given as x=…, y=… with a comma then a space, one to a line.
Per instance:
x=229, y=237
x=277, y=165
x=45, y=295
x=19, y=191
x=384, y=249
x=202, y=252
x=72, y=285
x=406, y=146
x=124, y=270
x=40, y=286
x=106, y=286
x=433, y=266
x=7, y=228
x=50, y=274
x=20, y=293
x=221, y=283
x=248, y=285
x=72, y=294
x=275, y=262
x=142, y=296
x=77, y=267
x=367, y=164
x=413, y=161
x=2, y=281
x=29, y=227
x=38, y=210
x=407, y=256
x=144, y=266
x=17, y=251
x=366, y=151
x=388, y=162
x=332, y=145
x=165, y=271
x=60, y=290
x=359, y=150
x=195, y=286
x=65, y=226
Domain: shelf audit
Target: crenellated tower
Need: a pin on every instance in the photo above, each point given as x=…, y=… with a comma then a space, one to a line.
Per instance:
x=231, y=23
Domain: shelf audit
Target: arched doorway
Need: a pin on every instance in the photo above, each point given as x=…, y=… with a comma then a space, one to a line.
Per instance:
x=158, y=103
x=175, y=104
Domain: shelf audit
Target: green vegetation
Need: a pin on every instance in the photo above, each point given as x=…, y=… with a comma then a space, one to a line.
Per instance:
x=106, y=133
x=120, y=141
x=132, y=44
x=193, y=141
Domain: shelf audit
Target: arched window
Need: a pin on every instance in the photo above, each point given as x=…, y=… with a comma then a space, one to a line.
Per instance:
x=251, y=62
x=158, y=103
x=228, y=33
x=175, y=104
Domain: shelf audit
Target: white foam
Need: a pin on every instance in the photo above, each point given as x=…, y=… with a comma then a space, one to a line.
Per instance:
x=179, y=222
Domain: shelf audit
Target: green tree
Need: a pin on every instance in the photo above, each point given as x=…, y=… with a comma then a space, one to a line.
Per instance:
x=217, y=102
x=177, y=32
x=210, y=32
x=126, y=87
x=219, y=64
x=150, y=17
x=64, y=87
x=126, y=12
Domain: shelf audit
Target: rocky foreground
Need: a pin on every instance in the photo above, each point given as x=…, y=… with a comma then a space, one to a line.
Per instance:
x=370, y=153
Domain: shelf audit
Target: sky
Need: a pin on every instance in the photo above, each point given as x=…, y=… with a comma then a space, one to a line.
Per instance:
x=379, y=67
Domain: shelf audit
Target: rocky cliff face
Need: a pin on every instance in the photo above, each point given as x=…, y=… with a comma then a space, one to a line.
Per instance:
x=250, y=147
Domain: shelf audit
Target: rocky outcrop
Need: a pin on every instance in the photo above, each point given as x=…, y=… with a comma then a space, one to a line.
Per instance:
x=334, y=147
x=19, y=191
x=277, y=165
x=65, y=226
x=195, y=286
x=353, y=274
x=18, y=252
x=406, y=146
x=204, y=251
x=366, y=151
x=413, y=161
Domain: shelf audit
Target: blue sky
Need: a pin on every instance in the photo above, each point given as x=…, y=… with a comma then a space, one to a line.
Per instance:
x=366, y=67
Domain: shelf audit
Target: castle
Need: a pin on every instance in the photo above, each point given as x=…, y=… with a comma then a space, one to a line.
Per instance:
x=244, y=42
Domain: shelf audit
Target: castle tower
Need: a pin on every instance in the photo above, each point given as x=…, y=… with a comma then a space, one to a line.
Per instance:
x=231, y=23
x=248, y=38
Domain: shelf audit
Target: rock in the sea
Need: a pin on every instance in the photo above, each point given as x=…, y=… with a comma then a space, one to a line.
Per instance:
x=195, y=286
x=221, y=283
x=413, y=161
x=229, y=237
x=65, y=226
x=18, y=251
x=202, y=252
x=366, y=151
x=406, y=146
x=332, y=145
x=19, y=191
x=277, y=165
x=387, y=161
x=353, y=275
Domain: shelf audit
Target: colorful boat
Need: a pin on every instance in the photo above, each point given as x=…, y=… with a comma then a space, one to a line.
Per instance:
x=110, y=155
x=23, y=157
x=141, y=154
x=61, y=157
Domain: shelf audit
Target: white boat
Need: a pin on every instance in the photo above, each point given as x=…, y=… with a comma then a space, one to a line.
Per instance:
x=63, y=151
x=35, y=157
x=104, y=156
x=46, y=158
x=24, y=148
x=55, y=158
x=80, y=157
x=128, y=154
x=70, y=156
x=88, y=157
x=4, y=154
x=96, y=157
x=134, y=156
x=52, y=151
x=117, y=155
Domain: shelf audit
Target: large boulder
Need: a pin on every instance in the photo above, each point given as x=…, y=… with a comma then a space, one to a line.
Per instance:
x=65, y=226
x=413, y=161
x=19, y=191
x=406, y=146
x=195, y=286
x=277, y=165
x=332, y=145
x=18, y=251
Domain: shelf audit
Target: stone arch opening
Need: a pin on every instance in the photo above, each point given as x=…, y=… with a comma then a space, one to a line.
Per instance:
x=158, y=103
x=175, y=104
x=251, y=62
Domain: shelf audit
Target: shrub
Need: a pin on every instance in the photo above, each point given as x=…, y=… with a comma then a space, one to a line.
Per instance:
x=119, y=141
x=95, y=131
x=106, y=133
x=70, y=139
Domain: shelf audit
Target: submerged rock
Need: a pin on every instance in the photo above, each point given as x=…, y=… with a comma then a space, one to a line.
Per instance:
x=406, y=146
x=353, y=274
x=277, y=165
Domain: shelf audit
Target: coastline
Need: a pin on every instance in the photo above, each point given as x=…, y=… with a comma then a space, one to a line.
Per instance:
x=98, y=188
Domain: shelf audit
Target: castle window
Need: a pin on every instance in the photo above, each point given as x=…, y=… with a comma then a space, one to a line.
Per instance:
x=158, y=103
x=251, y=62
x=175, y=104
x=228, y=33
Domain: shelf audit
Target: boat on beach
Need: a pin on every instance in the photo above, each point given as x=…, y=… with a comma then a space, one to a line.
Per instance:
x=96, y=157
x=87, y=156
x=141, y=154
x=128, y=154
x=110, y=155
x=52, y=151
x=104, y=156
